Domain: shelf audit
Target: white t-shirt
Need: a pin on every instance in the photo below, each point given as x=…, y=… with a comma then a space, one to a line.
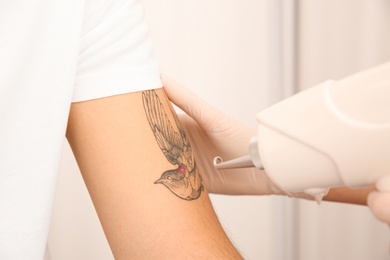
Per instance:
x=52, y=53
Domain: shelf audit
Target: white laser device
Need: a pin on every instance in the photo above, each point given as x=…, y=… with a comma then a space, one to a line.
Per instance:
x=334, y=134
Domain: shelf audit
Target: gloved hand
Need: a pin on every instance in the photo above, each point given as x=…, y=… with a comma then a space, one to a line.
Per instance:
x=379, y=203
x=213, y=133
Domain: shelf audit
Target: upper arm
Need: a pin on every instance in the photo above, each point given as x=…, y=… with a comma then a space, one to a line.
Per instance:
x=124, y=146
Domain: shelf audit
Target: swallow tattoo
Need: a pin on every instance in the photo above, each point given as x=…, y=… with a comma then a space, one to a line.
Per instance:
x=185, y=181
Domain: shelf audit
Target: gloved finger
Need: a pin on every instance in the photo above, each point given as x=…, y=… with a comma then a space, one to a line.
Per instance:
x=177, y=93
x=204, y=113
x=379, y=203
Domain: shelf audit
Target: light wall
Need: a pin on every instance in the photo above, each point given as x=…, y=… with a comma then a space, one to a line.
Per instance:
x=339, y=38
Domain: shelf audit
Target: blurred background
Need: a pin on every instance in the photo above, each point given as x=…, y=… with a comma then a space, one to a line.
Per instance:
x=243, y=56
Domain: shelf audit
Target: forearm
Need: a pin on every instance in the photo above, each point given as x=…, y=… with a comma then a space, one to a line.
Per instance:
x=121, y=162
x=349, y=195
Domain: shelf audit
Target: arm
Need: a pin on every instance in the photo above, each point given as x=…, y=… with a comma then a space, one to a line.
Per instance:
x=123, y=161
x=348, y=195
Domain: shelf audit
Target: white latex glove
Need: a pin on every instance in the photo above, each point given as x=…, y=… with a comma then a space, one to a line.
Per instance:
x=213, y=133
x=379, y=203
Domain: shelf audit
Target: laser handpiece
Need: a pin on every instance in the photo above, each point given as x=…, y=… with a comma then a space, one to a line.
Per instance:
x=334, y=134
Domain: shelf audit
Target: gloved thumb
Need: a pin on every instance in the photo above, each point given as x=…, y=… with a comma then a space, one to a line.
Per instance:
x=201, y=111
x=379, y=204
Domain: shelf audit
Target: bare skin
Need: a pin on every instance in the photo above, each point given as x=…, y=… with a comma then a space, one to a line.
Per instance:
x=347, y=195
x=121, y=159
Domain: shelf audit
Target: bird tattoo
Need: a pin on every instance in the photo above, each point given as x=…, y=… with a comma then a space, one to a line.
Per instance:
x=185, y=181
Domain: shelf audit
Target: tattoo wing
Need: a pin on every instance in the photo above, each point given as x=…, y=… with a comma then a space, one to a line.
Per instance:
x=185, y=181
x=169, y=140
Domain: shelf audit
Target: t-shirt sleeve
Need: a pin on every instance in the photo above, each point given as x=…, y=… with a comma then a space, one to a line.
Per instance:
x=116, y=53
